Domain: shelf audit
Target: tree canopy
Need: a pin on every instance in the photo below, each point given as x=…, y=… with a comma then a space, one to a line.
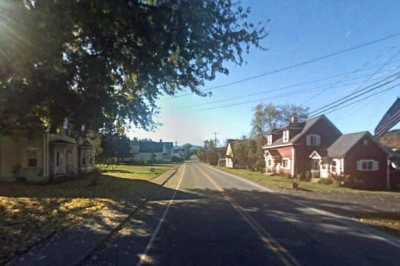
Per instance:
x=104, y=63
x=270, y=116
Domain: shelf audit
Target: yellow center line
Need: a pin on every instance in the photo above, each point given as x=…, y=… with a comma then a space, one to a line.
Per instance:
x=273, y=245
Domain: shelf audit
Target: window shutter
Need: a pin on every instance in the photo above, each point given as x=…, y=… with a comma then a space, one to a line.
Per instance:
x=308, y=140
x=359, y=165
x=376, y=166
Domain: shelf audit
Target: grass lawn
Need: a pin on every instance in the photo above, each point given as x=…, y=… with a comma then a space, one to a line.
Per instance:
x=285, y=183
x=31, y=212
x=388, y=221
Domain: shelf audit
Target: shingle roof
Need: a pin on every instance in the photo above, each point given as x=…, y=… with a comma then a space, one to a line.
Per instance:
x=306, y=126
x=344, y=143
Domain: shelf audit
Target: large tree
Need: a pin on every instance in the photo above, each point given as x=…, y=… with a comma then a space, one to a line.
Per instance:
x=270, y=116
x=104, y=63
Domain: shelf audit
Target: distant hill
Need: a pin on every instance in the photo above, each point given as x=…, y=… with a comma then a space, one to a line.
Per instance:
x=391, y=139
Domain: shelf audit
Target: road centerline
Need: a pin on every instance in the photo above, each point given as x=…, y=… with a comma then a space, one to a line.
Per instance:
x=346, y=221
x=264, y=236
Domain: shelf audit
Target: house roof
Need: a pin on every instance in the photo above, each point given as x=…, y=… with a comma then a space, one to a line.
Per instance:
x=274, y=153
x=306, y=125
x=344, y=143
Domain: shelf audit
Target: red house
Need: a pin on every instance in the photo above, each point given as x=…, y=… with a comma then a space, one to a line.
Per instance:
x=317, y=147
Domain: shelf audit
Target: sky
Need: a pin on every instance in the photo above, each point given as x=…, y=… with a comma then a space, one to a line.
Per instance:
x=298, y=31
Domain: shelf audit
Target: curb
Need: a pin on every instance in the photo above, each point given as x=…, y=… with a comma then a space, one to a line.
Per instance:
x=100, y=243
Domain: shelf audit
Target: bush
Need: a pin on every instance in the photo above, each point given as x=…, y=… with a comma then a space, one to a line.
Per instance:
x=326, y=181
x=305, y=176
x=354, y=182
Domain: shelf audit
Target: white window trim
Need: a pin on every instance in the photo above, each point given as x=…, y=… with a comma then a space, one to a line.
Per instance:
x=315, y=155
x=288, y=164
x=269, y=139
x=285, y=136
x=317, y=138
x=375, y=165
x=270, y=162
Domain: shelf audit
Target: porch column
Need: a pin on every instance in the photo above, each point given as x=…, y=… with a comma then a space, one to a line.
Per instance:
x=388, y=186
x=292, y=172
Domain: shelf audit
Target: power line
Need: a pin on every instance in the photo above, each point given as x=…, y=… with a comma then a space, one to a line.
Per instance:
x=365, y=98
x=357, y=90
x=299, y=84
x=300, y=64
x=357, y=94
x=283, y=95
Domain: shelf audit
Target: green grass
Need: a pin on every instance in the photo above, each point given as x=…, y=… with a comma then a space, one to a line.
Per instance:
x=386, y=221
x=285, y=183
x=30, y=212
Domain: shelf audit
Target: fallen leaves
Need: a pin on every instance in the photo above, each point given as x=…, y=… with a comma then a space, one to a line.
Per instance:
x=30, y=213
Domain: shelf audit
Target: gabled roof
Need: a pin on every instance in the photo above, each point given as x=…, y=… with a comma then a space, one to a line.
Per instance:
x=309, y=123
x=306, y=126
x=274, y=153
x=345, y=142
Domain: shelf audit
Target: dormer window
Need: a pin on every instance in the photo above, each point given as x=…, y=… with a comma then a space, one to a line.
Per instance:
x=313, y=140
x=269, y=139
x=285, y=137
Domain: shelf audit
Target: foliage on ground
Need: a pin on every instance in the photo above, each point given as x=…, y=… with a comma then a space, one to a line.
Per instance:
x=387, y=221
x=30, y=213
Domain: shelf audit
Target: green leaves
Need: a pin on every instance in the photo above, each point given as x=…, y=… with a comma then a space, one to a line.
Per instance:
x=80, y=55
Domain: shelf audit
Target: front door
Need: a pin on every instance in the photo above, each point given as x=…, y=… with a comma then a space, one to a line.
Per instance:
x=59, y=162
x=315, y=168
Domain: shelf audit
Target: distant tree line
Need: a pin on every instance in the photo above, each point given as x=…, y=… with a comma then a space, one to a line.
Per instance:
x=117, y=147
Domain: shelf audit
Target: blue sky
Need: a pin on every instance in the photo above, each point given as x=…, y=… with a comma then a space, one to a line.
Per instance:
x=299, y=30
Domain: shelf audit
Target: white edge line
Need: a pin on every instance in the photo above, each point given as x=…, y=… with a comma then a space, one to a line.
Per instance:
x=160, y=223
x=363, y=227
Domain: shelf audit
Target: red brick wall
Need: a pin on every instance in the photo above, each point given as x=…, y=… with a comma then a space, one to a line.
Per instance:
x=372, y=179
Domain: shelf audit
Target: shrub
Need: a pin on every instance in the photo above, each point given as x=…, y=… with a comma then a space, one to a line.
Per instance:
x=354, y=182
x=326, y=181
x=305, y=176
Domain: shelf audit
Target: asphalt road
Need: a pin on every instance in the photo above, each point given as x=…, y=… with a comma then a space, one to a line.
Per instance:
x=212, y=218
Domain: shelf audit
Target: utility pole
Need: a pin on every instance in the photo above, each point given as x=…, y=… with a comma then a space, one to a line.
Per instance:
x=215, y=139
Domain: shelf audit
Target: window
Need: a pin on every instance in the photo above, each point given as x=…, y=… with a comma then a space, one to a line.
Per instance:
x=333, y=166
x=314, y=164
x=313, y=140
x=365, y=142
x=367, y=165
x=285, y=136
x=32, y=158
x=286, y=163
x=269, y=162
x=58, y=159
x=269, y=139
